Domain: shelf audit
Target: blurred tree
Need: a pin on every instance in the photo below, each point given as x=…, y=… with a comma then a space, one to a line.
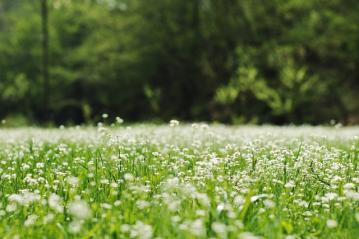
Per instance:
x=232, y=60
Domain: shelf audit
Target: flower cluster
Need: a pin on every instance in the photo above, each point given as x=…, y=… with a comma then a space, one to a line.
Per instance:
x=179, y=181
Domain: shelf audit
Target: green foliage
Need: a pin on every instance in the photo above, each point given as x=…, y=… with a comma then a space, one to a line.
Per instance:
x=268, y=61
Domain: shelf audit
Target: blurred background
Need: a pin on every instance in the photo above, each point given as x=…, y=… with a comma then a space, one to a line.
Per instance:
x=230, y=61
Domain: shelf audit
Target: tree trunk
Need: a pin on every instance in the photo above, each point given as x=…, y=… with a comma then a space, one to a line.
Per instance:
x=45, y=58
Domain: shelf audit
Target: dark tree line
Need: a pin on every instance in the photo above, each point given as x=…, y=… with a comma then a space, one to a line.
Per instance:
x=236, y=61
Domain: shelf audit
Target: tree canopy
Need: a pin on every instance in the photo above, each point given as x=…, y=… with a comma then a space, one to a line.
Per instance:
x=233, y=61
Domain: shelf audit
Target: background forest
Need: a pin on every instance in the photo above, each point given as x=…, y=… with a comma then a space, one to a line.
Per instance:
x=231, y=61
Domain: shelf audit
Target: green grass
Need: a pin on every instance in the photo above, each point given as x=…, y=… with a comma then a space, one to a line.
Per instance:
x=179, y=182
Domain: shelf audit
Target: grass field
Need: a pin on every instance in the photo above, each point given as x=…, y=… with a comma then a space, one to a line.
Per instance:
x=178, y=181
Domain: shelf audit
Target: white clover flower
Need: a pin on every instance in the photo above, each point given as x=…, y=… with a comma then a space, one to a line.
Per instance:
x=350, y=194
x=114, y=185
x=25, y=198
x=16, y=198
x=204, y=126
x=55, y=203
x=142, y=204
x=79, y=209
x=200, y=213
x=290, y=184
x=104, y=181
x=25, y=166
x=220, y=207
x=219, y=228
x=332, y=223
x=73, y=181
x=11, y=207
x=194, y=126
x=197, y=228
x=31, y=220
x=239, y=200
x=203, y=199
x=141, y=231
x=49, y=218
x=106, y=205
x=331, y=196
x=349, y=186
x=268, y=203
x=75, y=227
x=40, y=165
x=119, y=120
x=174, y=123
x=125, y=228
x=171, y=184
x=175, y=219
x=248, y=235
x=128, y=177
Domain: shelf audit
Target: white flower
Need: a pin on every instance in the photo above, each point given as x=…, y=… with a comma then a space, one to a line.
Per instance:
x=73, y=181
x=11, y=207
x=125, y=228
x=55, y=203
x=248, y=235
x=175, y=219
x=331, y=196
x=268, y=203
x=171, y=184
x=106, y=205
x=332, y=223
x=349, y=186
x=119, y=120
x=239, y=200
x=30, y=220
x=128, y=177
x=290, y=184
x=75, y=227
x=200, y=213
x=142, y=204
x=219, y=228
x=40, y=165
x=350, y=194
x=25, y=198
x=104, y=181
x=194, y=126
x=203, y=199
x=141, y=231
x=197, y=228
x=174, y=123
x=49, y=218
x=79, y=209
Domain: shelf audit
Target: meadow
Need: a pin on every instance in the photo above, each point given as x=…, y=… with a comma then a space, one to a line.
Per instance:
x=179, y=181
